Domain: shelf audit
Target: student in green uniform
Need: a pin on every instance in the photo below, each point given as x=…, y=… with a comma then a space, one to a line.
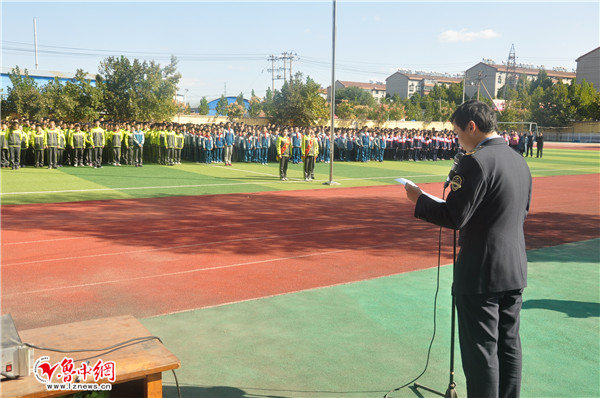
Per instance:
x=77, y=142
x=39, y=144
x=162, y=144
x=116, y=138
x=170, y=144
x=69, y=148
x=3, y=145
x=310, y=150
x=60, y=148
x=52, y=145
x=13, y=138
x=179, y=139
x=25, y=141
x=98, y=142
x=88, y=154
x=128, y=142
x=284, y=151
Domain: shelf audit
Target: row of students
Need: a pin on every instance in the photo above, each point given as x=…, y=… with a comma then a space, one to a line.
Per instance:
x=56, y=144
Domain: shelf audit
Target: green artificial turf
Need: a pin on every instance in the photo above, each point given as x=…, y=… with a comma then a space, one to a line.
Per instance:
x=366, y=338
x=70, y=184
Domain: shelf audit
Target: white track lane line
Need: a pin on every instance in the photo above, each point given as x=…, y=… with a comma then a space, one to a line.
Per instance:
x=157, y=230
x=254, y=183
x=120, y=253
x=84, y=285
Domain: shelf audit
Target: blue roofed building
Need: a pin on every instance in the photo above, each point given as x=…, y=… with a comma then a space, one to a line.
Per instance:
x=41, y=77
x=212, y=105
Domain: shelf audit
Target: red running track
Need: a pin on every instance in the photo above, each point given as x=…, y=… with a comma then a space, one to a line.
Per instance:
x=65, y=262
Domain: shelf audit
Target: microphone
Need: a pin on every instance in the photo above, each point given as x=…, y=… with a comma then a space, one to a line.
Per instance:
x=452, y=173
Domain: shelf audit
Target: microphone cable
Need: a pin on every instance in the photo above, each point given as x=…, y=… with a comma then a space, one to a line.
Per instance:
x=437, y=290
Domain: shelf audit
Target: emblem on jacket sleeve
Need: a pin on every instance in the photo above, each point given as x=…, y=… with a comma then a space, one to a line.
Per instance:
x=456, y=183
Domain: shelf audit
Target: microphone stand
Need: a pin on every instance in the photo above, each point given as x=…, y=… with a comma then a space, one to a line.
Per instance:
x=451, y=390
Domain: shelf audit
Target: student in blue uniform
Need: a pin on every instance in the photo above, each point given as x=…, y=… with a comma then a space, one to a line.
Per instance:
x=139, y=139
x=229, y=140
x=265, y=143
x=219, y=145
x=296, y=146
x=208, y=148
x=364, y=148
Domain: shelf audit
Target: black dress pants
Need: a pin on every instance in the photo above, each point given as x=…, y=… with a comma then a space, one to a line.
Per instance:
x=283, y=166
x=490, y=345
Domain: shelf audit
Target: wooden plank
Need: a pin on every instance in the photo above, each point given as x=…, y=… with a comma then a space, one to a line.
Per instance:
x=135, y=361
x=154, y=386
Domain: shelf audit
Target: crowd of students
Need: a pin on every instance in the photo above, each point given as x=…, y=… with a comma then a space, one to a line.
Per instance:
x=523, y=143
x=53, y=144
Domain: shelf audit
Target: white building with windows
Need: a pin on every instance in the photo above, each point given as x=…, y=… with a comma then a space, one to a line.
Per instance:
x=406, y=84
x=588, y=68
x=376, y=89
x=489, y=77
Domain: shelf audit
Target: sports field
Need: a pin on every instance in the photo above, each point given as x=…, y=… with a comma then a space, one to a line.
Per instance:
x=265, y=288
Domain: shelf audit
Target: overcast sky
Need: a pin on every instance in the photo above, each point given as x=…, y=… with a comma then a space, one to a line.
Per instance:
x=226, y=45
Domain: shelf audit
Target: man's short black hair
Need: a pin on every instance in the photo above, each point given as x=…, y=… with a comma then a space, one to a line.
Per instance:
x=477, y=111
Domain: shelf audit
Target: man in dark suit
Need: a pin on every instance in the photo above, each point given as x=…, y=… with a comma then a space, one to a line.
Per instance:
x=488, y=203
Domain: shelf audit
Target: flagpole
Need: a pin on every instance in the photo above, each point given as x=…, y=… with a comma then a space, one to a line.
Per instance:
x=332, y=100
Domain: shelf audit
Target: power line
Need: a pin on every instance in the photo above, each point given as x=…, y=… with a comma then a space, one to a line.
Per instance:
x=19, y=47
x=285, y=56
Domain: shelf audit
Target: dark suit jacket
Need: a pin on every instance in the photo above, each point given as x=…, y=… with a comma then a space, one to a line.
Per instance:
x=488, y=203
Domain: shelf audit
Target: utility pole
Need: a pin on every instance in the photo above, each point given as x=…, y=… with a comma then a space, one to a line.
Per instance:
x=272, y=58
x=291, y=56
x=511, y=70
x=35, y=42
x=479, y=79
x=464, y=86
x=274, y=77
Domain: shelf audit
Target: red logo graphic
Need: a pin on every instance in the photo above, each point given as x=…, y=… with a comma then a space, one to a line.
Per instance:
x=47, y=369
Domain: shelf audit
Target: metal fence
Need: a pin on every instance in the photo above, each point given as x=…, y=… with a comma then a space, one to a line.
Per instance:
x=568, y=134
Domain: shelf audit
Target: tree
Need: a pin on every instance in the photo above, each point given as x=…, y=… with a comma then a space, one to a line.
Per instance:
x=24, y=98
x=299, y=103
x=255, y=106
x=354, y=95
x=455, y=94
x=413, y=107
x=240, y=99
x=431, y=108
x=514, y=112
x=59, y=100
x=542, y=81
x=344, y=110
x=583, y=97
x=222, y=105
x=267, y=104
x=75, y=100
x=203, y=108
x=139, y=90
x=554, y=108
x=235, y=110
x=381, y=113
x=89, y=98
x=397, y=110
